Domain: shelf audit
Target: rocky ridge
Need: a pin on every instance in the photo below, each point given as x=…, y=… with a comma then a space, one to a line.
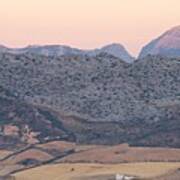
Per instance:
x=115, y=49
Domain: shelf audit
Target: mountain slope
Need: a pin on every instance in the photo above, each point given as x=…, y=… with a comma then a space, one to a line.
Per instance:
x=168, y=44
x=22, y=123
x=100, y=99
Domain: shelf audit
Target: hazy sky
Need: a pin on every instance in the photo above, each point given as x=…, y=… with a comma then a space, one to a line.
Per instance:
x=86, y=23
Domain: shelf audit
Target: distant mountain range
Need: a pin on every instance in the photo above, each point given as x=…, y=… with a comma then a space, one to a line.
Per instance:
x=168, y=44
x=116, y=50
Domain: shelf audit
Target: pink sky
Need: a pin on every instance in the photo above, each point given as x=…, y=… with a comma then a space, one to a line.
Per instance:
x=86, y=23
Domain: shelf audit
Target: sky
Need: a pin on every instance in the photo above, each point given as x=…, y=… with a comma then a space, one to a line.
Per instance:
x=86, y=24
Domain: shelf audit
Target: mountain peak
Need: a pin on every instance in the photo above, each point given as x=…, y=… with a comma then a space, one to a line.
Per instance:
x=175, y=31
x=114, y=45
x=168, y=44
x=117, y=50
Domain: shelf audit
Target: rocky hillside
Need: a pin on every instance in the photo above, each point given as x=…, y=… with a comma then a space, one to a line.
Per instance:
x=21, y=123
x=168, y=44
x=85, y=99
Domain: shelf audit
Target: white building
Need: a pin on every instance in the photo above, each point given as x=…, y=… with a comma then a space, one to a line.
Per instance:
x=124, y=177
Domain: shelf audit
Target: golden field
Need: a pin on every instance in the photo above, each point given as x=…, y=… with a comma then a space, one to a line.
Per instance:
x=96, y=171
x=64, y=160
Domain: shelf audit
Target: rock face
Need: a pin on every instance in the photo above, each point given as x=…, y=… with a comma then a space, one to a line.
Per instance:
x=168, y=44
x=98, y=99
x=116, y=50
